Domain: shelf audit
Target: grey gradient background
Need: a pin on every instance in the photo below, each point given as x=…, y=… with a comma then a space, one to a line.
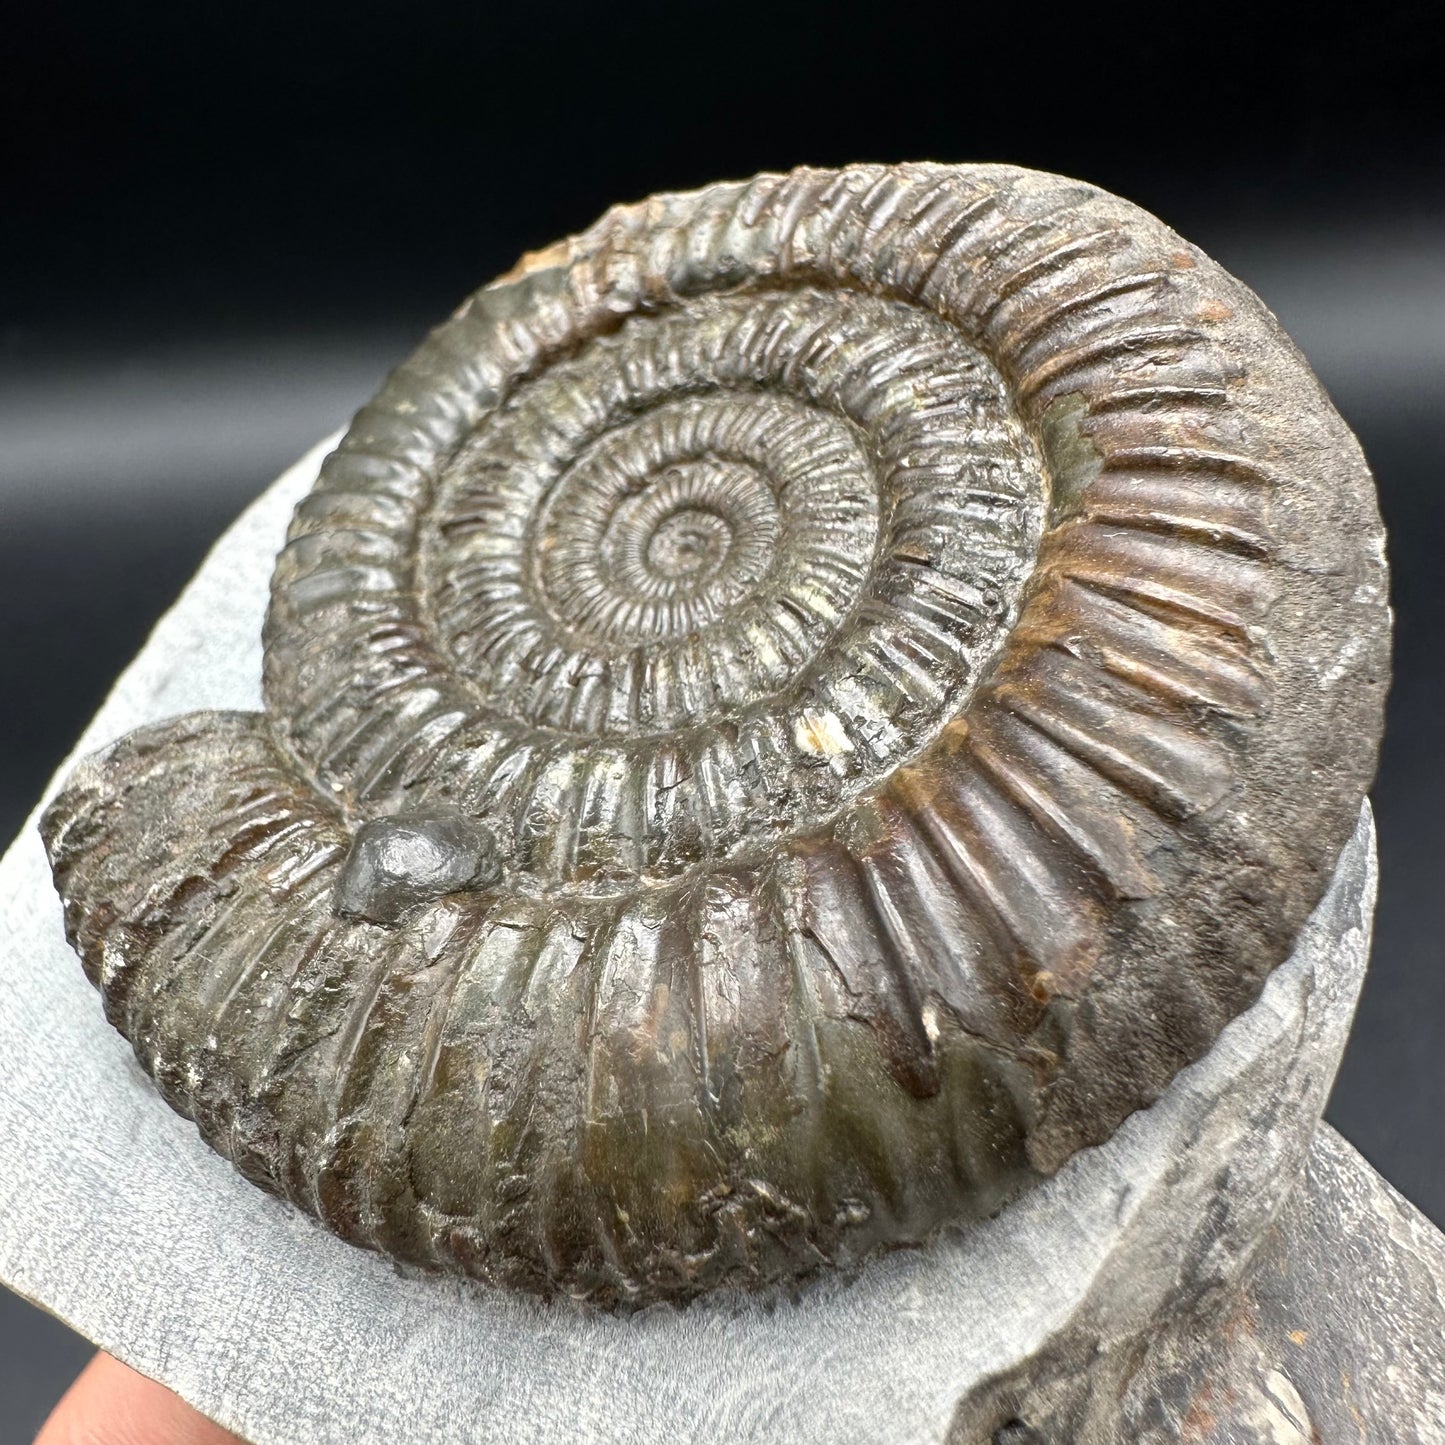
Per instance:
x=222, y=227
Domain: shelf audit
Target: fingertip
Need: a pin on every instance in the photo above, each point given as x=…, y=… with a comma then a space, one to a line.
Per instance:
x=110, y=1404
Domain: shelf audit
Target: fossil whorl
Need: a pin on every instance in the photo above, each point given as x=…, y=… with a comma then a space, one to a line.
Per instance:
x=796, y=710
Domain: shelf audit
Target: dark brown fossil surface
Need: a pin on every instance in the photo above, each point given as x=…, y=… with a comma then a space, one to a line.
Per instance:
x=796, y=710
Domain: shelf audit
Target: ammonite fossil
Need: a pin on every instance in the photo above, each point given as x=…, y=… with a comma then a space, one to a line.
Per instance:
x=796, y=710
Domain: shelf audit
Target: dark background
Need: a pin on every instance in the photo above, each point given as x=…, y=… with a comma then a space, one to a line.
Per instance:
x=222, y=224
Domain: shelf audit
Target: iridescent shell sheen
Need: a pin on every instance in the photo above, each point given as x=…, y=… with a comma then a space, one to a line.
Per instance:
x=796, y=710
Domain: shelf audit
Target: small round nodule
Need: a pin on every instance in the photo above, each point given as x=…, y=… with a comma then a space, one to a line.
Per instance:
x=838, y=686
x=396, y=863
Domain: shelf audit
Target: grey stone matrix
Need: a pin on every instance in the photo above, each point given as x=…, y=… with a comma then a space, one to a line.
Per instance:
x=115, y=1215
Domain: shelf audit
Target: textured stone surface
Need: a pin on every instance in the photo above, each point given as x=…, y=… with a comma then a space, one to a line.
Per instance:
x=116, y=1216
x=1346, y=1311
x=918, y=637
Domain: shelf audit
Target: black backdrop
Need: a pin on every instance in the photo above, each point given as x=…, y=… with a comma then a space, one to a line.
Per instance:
x=223, y=223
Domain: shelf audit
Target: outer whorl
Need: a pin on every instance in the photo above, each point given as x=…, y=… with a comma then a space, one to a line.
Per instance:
x=792, y=713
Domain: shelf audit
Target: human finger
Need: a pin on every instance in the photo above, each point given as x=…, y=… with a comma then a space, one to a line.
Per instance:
x=110, y=1404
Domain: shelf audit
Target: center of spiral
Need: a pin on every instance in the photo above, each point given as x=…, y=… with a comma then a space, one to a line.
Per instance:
x=655, y=534
x=669, y=542
x=689, y=545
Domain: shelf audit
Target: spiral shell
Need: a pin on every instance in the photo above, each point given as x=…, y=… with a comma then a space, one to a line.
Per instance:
x=796, y=710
